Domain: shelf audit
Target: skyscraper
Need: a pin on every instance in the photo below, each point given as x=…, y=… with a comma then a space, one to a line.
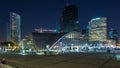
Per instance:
x=69, y=20
x=98, y=29
x=14, y=28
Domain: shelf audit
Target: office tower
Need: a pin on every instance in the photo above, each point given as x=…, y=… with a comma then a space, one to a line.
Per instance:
x=85, y=30
x=14, y=28
x=8, y=32
x=98, y=29
x=69, y=20
x=113, y=35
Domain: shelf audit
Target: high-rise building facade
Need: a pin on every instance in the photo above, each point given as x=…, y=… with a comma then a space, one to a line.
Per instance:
x=98, y=29
x=14, y=28
x=69, y=20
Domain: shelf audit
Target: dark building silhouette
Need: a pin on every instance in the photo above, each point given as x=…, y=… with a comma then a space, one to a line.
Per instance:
x=85, y=30
x=85, y=33
x=43, y=39
x=69, y=20
x=113, y=34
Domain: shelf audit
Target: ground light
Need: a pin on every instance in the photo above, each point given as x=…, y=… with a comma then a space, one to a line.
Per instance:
x=117, y=56
x=23, y=52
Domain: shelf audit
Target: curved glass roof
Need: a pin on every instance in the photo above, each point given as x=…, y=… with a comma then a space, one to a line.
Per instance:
x=68, y=40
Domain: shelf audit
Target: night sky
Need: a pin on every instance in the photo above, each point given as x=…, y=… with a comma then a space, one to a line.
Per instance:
x=46, y=13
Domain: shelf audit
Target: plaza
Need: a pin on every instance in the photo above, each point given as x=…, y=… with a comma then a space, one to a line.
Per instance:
x=68, y=60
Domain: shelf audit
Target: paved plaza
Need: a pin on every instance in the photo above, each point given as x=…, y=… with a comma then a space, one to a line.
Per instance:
x=72, y=60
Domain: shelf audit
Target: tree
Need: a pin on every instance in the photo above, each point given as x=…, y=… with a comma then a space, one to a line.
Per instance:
x=7, y=44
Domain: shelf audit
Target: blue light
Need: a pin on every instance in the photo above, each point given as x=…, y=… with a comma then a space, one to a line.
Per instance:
x=23, y=52
x=77, y=22
x=96, y=19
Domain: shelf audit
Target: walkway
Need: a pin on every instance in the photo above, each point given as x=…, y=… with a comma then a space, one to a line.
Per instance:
x=5, y=66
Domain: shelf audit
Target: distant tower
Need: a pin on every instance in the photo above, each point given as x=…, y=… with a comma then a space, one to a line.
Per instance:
x=85, y=30
x=98, y=29
x=113, y=34
x=8, y=32
x=14, y=28
x=69, y=20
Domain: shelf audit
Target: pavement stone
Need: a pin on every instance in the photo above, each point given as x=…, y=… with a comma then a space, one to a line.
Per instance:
x=5, y=66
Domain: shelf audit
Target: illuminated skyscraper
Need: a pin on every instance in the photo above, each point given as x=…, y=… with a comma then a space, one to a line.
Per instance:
x=69, y=20
x=98, y=29
x=14, y=28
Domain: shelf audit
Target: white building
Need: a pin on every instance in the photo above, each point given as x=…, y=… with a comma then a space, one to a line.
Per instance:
x=98, y=29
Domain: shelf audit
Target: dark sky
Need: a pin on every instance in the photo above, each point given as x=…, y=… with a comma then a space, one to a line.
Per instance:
x=46, y=13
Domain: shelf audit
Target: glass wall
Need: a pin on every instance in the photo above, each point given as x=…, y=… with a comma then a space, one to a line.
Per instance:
x=69, y=42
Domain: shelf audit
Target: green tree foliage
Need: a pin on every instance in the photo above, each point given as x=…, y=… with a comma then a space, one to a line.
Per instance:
x=7, y=43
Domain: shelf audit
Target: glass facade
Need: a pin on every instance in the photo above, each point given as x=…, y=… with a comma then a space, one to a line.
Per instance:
x=98, y=29
x=15, y=28
x=71, y=41
x=69, y=20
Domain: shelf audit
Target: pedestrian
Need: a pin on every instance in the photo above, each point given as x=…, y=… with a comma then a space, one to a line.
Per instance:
x=3, y=61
